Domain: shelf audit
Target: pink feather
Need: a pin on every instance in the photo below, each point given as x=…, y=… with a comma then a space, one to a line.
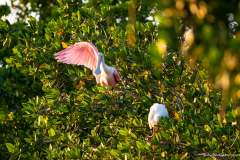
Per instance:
x=82, y=53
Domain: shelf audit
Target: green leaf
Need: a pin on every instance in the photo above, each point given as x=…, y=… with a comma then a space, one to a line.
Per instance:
x=62, y=108
x=15, y=51
x=10, y=147
x=207, y=128
x=123, y=132
x=9, y=60
x=114, y=153
x=51, y=132
x=142, y=145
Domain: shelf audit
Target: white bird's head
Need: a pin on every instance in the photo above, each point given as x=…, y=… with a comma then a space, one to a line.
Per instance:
x=156, y=112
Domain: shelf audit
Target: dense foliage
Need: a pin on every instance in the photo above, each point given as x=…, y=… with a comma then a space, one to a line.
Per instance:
x=50, y=110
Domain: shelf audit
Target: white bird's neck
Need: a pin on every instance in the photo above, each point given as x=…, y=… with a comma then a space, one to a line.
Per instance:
x=103, y=67
x=98, y=67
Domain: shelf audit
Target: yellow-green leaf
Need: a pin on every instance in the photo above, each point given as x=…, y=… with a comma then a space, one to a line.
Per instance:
x=51, y=132
x=10, y=147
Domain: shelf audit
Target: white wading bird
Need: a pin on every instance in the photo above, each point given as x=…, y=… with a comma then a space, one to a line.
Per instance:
x=156, y=112
x=85, y=53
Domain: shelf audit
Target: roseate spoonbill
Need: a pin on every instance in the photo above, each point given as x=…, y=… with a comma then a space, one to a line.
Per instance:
x=85, y=53
x=156, y=112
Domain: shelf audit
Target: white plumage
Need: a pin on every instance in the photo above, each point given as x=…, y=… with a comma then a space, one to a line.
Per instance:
x=156, y=112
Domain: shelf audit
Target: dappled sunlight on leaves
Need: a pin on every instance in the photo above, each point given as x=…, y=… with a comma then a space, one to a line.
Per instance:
x=188, y=40
x=237, y=79
x=161, y=47
x=223, y=81
x=230, y=60
x=64, y=45
x=198, y=8
x=130, y=30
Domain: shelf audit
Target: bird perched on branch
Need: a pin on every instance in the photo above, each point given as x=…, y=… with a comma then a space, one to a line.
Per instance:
x=156, y=112
x=85, y=53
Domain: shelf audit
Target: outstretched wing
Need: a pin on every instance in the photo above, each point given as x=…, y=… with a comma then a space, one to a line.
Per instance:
x=82, y=53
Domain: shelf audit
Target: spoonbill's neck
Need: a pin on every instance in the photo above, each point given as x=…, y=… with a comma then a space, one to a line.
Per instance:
x=103, y=66
x=98, y=67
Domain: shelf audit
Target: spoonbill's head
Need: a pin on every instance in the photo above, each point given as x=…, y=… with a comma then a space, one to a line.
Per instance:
x=156, y=112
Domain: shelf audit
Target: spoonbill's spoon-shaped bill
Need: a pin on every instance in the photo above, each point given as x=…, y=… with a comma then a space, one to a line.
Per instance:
x=85, y=53
x=156, y=112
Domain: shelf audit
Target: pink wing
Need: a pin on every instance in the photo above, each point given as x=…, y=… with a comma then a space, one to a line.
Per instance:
x=82, y=53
